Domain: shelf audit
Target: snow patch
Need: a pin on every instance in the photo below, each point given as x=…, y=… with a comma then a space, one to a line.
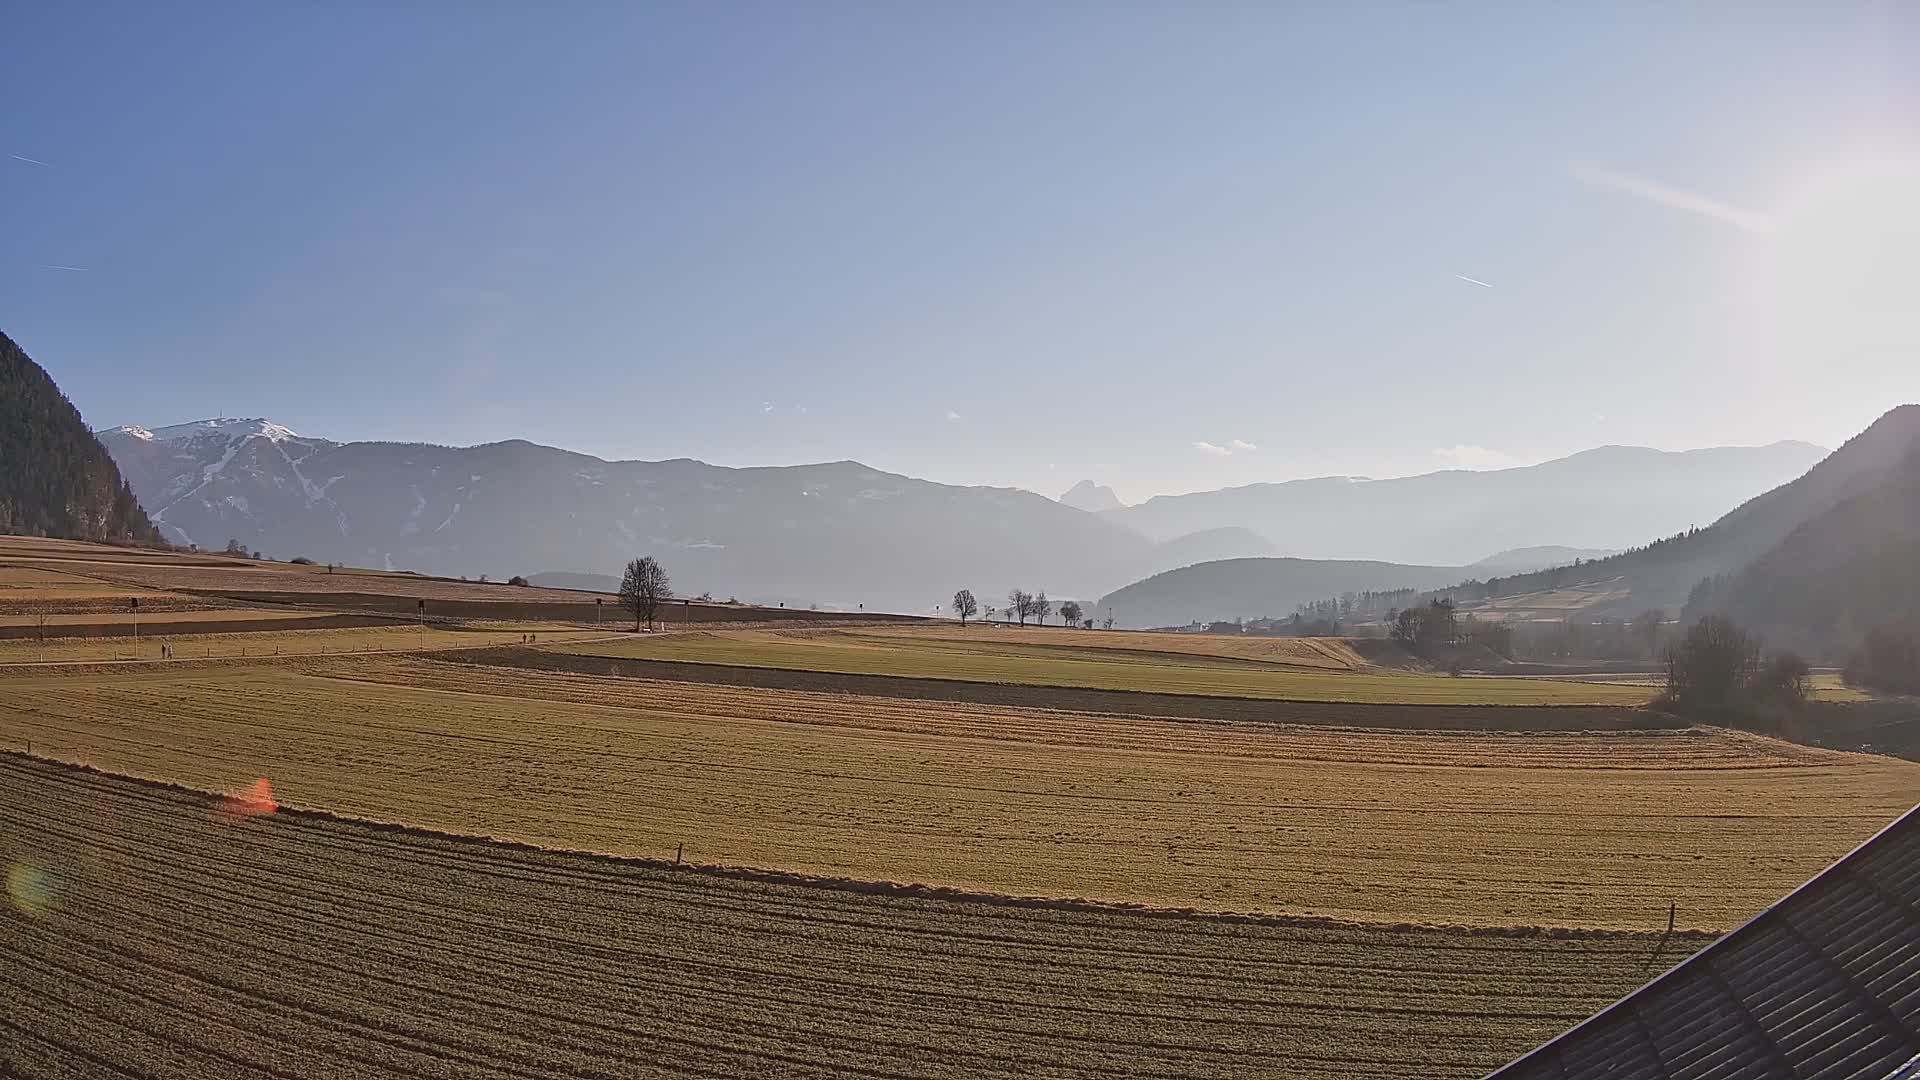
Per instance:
x=412, y=524
x=315, y=492
x=233, y=428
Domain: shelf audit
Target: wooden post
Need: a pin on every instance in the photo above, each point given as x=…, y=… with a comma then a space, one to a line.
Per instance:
x=1673, y=909
x=679, y=850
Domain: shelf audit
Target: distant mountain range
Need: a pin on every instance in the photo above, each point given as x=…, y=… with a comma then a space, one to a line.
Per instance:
x=1091, y=497
x=842, y=534
x=1852, y=508
x=55, y=477
x=1612, y=498
x=1811, y=564
x=1528, y=559
x=1254, y=588
x=1229, y=589
x=839, y=534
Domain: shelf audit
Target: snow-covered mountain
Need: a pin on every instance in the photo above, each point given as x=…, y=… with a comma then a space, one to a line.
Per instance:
x=836, y=534
x=841, y=533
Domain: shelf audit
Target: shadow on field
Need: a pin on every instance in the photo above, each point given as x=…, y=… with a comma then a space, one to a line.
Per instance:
x=1126, y=702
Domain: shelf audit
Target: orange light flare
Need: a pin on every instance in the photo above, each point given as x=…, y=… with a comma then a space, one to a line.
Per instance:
x=253, y=802
x=32, y=889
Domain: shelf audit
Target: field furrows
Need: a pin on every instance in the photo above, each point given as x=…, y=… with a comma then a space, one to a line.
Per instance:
x=1477, y=829
x=309, y=635
x=1010, y=657
x=182, y=941
x=1651, y=749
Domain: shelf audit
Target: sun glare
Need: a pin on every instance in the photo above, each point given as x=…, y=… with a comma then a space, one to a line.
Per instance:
x=1843, y=276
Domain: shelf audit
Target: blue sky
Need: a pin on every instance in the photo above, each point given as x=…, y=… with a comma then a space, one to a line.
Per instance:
x=993, y=243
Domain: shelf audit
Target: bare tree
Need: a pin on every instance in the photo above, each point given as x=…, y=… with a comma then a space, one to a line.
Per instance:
x=40, y=624
x=1070, y=613
x=1785, y=678
x=1711, y=664
x=642, y=588
x=1020, y=603
x=1646, y=627
x=965, y=605
x=1107, y=623
x=1042, y=607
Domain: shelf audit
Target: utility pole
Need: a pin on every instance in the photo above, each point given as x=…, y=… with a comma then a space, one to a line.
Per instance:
x=423, y=618
x=135, y=601
x=597, y=601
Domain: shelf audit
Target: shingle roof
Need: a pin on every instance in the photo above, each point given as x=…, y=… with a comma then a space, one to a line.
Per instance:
x=1824, y=984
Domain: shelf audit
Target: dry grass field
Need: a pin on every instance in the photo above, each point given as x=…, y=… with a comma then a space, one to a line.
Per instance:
x=85, y=588
x=141, y=568
x=1550, y=603
x=889, y=887
x=155, y=933
x=1485, y=829
x=270, y=643
x=1315, y=654
x=1033, y=658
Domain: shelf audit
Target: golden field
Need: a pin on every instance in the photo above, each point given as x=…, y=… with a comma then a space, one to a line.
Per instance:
x=158, y=932
x=1488, y=829
x=1036, y=657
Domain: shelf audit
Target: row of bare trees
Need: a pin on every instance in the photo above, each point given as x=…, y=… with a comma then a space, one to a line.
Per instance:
x=1021, y=605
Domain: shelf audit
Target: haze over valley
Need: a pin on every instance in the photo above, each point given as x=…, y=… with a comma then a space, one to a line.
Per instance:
x=843, y=535
x=644, y=541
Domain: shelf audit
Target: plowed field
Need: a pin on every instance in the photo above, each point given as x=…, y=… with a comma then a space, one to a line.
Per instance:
x=153, y=933
x=1457, y=828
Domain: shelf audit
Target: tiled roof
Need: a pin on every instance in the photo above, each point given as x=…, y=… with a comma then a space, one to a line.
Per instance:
x=1824, y=984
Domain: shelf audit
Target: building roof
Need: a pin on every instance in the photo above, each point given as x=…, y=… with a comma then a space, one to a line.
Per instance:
x=1824, y=984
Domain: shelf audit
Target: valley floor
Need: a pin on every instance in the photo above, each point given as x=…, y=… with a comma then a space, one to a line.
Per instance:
x=1589, y=830
x=155, y=932
x=904, y=852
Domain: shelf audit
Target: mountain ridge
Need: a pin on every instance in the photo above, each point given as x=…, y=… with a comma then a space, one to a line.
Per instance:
x=58, y=479
x=836, y=533
x=1604, y=498
x=839, y=534
x=1091, y=497
x=1668, y=573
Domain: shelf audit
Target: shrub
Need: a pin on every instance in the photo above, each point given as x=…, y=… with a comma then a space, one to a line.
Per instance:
x=1888, y=660
x=516, y=580
x=301, y=560
x=1785, y=678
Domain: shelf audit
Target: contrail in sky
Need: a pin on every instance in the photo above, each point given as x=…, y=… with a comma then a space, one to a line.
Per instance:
x=31, y=161
x=1473, y=281
x=51, y=266
x=1671, y=197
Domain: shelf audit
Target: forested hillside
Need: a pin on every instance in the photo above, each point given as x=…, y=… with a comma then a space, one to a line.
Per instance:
x=1853, y=568
x=1664, y=573
x=55, y=477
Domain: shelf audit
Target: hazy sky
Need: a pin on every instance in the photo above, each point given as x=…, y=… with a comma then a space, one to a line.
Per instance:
x=1164, y=247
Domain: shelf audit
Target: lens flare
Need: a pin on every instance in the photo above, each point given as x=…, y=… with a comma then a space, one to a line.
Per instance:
x=32, y=889
x=253, y=802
